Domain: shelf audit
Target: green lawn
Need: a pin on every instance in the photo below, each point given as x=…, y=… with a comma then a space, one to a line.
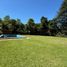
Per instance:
x=35, y=51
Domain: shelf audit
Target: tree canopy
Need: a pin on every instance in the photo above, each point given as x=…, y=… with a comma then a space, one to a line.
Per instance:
x=9, y=25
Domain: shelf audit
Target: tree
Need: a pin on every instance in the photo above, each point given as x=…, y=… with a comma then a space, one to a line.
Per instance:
x=1, y=26
x=20, y=26
x=6, y=25
x=61, y=20
x=52, y=27
x=63, y=8
x=13, y=26
x=31, y=28
x=44, y=21
x=44, y=26
x=38, y=25
x=6, y=20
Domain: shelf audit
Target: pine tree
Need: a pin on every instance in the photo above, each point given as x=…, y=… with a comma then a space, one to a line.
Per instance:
x=62, y=18
x=63, y=9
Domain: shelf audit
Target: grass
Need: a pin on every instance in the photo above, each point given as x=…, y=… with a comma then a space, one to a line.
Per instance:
x=37, y=51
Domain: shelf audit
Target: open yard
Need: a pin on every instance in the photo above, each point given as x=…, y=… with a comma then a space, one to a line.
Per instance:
x=34, y=51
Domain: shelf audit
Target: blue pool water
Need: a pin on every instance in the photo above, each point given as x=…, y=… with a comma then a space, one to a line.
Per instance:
x=19, y=36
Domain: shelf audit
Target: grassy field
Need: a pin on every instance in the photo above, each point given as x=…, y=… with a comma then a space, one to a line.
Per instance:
x=34, y=51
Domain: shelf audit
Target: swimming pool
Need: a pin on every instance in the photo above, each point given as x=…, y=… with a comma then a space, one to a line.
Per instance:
x=11, y=36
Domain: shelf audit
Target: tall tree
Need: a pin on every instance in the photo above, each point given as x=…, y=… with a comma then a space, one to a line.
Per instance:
x=31, y=26
x=53, y=27
x=63, y=8
x=62, y=18
x=44, y=26
x=19, y=26
x=13, y=26
x=6, y=24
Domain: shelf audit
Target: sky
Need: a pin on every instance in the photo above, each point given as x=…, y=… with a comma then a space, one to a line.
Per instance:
x=25, y=9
